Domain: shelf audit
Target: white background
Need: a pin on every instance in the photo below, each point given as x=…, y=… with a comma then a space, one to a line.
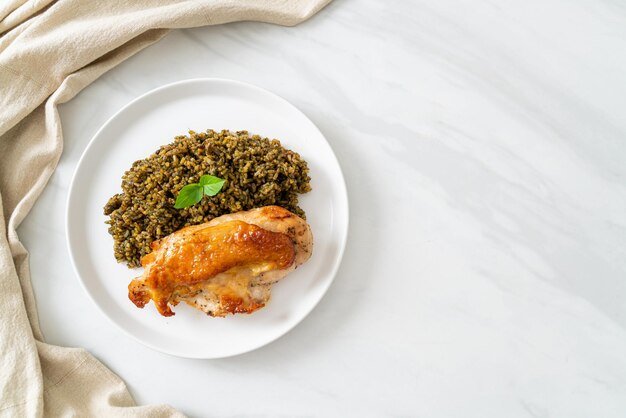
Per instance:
x=484, y=150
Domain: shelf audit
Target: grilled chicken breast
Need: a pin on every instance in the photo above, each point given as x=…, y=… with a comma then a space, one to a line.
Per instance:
x=224, y=266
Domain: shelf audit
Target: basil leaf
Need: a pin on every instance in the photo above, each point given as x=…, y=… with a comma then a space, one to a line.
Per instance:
x=188, y=195
x=211, y=185
x=206, y=179
x=192, y=193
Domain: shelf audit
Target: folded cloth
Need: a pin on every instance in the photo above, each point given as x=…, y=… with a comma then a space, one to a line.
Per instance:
x=49, y=51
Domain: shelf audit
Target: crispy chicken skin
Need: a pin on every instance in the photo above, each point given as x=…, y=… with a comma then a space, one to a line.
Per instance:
x=224, y=266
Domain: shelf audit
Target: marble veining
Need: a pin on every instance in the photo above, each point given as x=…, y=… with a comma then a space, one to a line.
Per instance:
x=484, y=150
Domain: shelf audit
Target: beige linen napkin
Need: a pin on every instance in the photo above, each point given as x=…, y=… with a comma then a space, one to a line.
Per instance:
x=49, y=51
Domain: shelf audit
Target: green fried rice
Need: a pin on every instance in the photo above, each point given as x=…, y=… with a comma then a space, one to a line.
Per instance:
x=258, y=172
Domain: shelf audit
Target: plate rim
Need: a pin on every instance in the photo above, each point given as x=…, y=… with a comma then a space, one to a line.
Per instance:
x=71, y=189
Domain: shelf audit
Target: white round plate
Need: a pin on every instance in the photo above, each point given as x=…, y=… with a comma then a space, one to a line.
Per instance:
x=138, y=130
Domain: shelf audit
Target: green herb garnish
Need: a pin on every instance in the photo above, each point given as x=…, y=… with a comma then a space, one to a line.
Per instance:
x=193, y=192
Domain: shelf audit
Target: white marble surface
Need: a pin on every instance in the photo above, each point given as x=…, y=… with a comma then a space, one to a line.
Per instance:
x=483, y=145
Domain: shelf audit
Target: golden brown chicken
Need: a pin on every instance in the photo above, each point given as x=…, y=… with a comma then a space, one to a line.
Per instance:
x=224, y=266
